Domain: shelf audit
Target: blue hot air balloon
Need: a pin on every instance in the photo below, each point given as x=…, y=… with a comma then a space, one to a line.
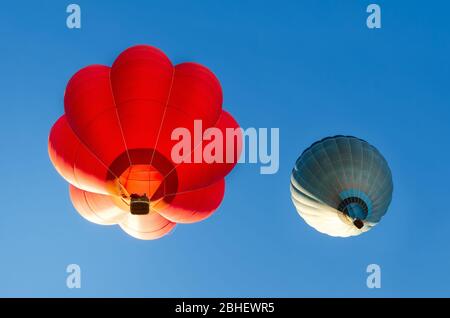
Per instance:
x=341, y=186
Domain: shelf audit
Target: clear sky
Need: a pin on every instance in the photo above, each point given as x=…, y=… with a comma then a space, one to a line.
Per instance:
x=311, y=68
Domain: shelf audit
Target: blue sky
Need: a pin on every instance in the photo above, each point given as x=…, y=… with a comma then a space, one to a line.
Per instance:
x=311, y=68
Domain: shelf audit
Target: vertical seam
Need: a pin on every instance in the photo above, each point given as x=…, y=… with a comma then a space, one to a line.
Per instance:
x=117, y=117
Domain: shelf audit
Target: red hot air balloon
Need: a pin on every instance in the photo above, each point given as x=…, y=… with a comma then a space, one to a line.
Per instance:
x=113, y=144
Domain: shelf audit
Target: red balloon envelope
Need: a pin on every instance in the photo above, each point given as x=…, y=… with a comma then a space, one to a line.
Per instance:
x=114, y=143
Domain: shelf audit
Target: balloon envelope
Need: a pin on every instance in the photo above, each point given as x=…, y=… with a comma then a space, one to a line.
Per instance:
x=341, y=186
x=114, y=143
